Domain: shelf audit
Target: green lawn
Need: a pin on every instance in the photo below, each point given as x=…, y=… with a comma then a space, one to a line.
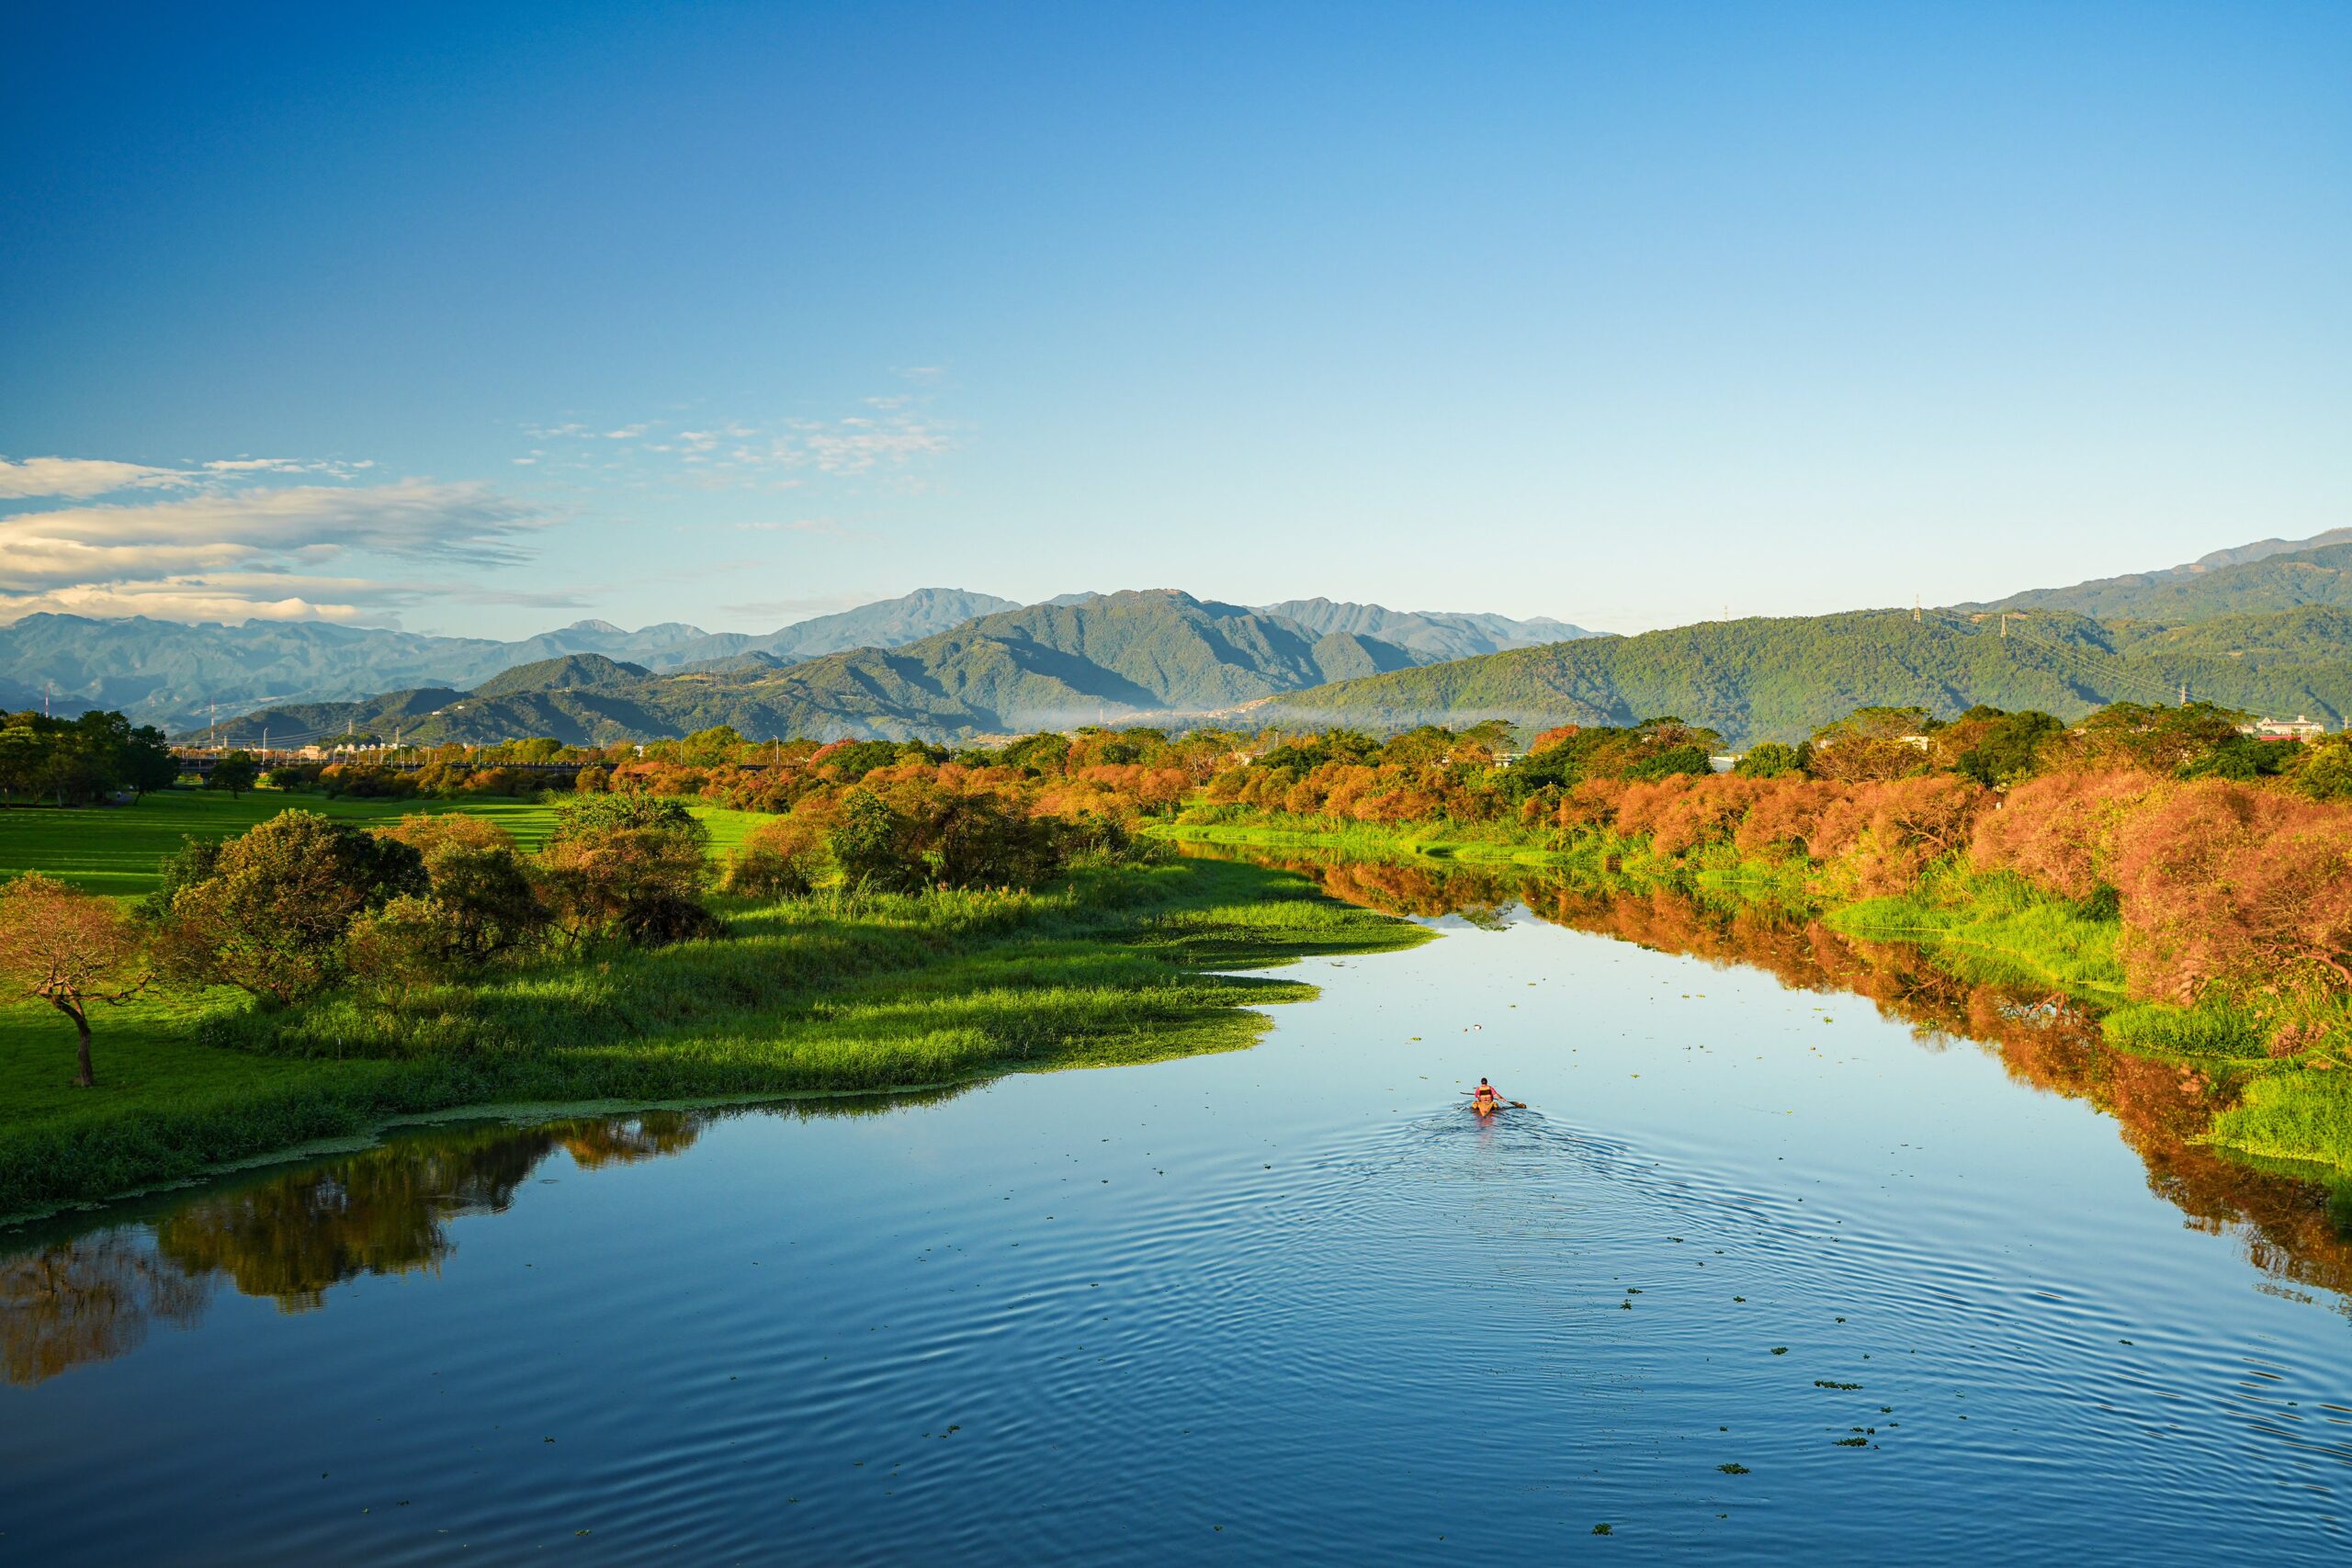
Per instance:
x=819, y=994
x=115, y=849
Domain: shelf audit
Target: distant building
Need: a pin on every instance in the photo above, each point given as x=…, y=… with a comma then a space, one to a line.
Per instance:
x=1827, y=742
x=2300, y=728
x=1724, y=761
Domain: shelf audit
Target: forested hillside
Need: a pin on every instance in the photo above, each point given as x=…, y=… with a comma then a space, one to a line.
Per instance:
x=1778, y=679
x=2249, y=580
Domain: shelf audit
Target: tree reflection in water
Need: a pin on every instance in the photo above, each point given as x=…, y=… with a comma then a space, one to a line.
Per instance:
x=291, y=1235
x=2282, y=1225
x=88, y=1300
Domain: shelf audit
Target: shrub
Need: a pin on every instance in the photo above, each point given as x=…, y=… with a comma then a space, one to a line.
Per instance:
x=632, y=865
x=271, y=913
x=1767, y=759
x=782, y=859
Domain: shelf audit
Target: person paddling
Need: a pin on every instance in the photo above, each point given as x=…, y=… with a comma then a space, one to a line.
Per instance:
x=1486, y=1099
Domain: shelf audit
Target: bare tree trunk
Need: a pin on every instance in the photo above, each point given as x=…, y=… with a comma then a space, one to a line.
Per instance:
x=83, y=1077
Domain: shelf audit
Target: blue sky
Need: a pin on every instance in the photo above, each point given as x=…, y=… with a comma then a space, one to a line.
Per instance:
x=734, y=314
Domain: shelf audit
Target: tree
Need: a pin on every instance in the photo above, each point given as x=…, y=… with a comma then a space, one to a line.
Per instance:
x=2138, y=736
x=630, y=864
x=69, y=949
x=1767, y=759
x=868, y=842
x=481, y=904
x=271, y=915
x=2327, y=769
x=76, y=761
x=1995, y=748
x=1872, y=744
x=958, y=838
x=234, y=773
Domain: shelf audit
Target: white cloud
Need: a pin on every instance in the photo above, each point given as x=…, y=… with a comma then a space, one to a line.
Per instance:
x=74, y=479
x=795, y=609
x=264, y=595
x=411, y=517
x=859, y=446
x=281, y=465
x=893, y=434
x=798, y=526
x=235, y=553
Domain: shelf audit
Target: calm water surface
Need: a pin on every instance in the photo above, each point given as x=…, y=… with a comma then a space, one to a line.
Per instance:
x=1290, y=1304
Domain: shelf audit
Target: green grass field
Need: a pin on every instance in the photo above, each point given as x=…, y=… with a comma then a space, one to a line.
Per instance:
x=115, y=849
x=823, y=993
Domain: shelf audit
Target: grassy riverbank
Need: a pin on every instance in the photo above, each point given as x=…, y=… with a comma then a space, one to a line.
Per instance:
x=810, y=995
x=2296, y=1110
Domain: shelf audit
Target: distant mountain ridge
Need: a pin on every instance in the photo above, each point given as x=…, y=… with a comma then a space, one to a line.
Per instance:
x=174, y=675
x=1778, y=679
x=1114, y=658
x=1431, y=635
x=2270, y=574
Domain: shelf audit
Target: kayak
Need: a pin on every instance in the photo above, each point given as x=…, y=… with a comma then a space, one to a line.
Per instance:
x=1485, y=1106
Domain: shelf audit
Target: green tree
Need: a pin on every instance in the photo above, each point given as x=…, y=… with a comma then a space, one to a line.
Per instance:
x=1769, y=759
x=235, y=772
x=1996, y=749
x=271, y=915
x=2326, y=770
x=870, y=842
x=632, y=865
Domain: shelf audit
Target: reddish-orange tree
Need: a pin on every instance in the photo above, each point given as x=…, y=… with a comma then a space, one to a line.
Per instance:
x=68, y=949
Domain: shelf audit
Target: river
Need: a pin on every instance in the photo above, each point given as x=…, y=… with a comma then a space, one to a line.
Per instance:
x=1802, y=1250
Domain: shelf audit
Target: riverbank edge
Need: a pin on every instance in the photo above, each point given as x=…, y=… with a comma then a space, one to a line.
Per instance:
x=328, y=1105
x=2294, y=1112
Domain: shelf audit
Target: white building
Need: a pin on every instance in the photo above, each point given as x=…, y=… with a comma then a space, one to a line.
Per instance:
x=2300, y=728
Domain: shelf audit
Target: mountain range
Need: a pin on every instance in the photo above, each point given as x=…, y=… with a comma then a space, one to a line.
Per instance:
x=1104, y=658
x=179, y=676
x=1778, y=679
x=2266, y=626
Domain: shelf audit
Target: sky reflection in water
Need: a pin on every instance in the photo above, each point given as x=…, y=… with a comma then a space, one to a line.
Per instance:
x=1286, y=1304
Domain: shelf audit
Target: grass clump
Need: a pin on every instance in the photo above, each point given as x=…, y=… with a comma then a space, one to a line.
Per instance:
x=2212, y=1028
x=2303, y=1116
